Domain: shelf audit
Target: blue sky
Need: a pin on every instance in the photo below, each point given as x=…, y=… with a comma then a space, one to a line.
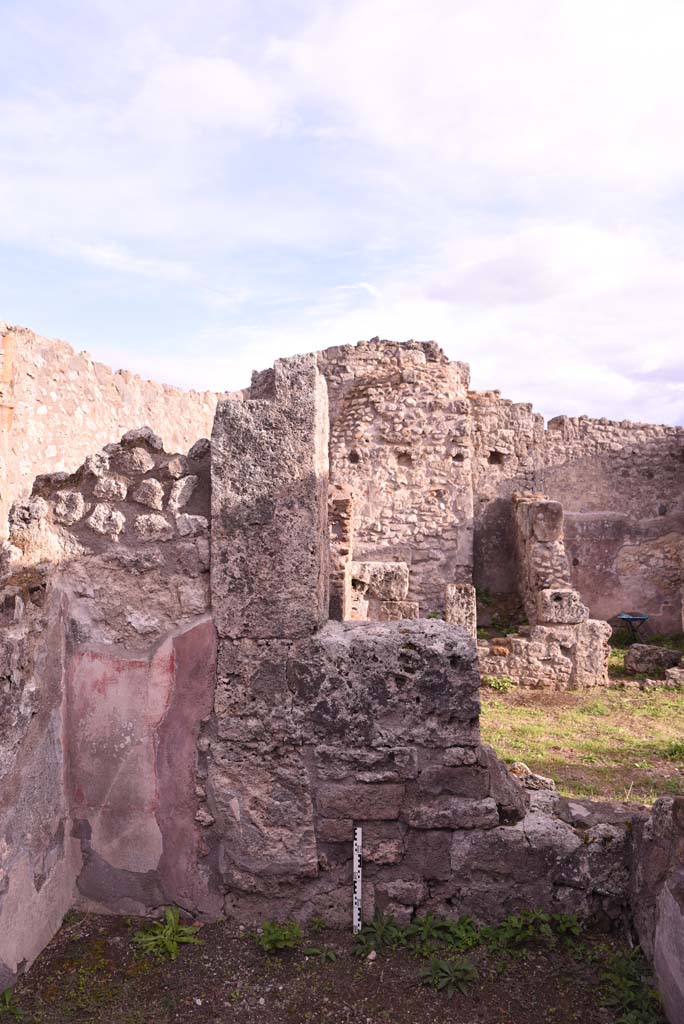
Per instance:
x=190, y=190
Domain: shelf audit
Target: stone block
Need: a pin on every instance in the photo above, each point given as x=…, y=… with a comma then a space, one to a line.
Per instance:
x=460, y=608
x=269, y=472
x=450, y=812
x=107, y=521
x=153, y=528
x=386, y=581
x=181, y=492
x=669, y=947
x=470, y=781
x=149, y=492
x=69, y=507
x=359, y=801
x=394, y=611
x=428, y=853
x=647, y=658
x=264, y=814
x=382, y=685
x=388, y=764
x=560, y=606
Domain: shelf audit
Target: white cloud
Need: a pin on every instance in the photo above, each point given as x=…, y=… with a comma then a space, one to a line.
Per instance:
x=121, y=260
x=183, y=95
x=537, y=92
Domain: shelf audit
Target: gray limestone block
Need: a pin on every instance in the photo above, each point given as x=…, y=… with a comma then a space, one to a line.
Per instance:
x=386, y=685
x=646, y=658
x=269, y=471
x=450, y=812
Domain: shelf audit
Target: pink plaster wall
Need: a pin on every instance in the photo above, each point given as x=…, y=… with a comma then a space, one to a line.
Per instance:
x=132, y=724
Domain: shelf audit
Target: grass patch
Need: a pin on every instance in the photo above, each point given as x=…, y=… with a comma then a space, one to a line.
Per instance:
x=619, y=746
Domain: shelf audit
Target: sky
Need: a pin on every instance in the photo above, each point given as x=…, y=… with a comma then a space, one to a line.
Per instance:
x=192, y=188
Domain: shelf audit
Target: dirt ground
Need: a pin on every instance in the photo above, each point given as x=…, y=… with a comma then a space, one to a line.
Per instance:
x=93, y=972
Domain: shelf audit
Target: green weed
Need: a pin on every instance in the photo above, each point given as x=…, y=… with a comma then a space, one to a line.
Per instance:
x=8, y=1005
x=449, y=976
x=326, y=956
x=275, y=936
x=499, y=683
x=628, y=989
x=163, y=938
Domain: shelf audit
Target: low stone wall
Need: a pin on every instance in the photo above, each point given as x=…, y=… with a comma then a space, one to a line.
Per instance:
x=57, y=406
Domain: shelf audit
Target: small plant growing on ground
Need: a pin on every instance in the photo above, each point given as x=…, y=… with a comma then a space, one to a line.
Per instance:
x=316, y=925
x=450, y=976
x=164, y=938
x=381, y=931
x=500, y=683
x=628, y=989
x=8, y=1006
x=275, y=936
x=674, y=751
x=461, y=935
x=326, y=956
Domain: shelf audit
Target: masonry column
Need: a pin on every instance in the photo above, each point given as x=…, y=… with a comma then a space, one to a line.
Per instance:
x=6, y=417
x=269, y=583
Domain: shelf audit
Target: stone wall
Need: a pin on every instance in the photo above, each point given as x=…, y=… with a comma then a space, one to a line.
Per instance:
x=621, y=487
x=57, y=406
x=400, y=440
x=184, y=725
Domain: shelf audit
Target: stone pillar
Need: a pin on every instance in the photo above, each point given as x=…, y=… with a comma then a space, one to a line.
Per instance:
x=543, y=569
x=269, y=584
x=460, y=606
x=341, y=522
x=269, y=479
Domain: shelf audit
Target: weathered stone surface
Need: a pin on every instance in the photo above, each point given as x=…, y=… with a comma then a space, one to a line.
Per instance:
x=669, y=947
x=153, y=528
x=387, y=684
x=111, y=488
x=129, y=461
x=451, y=812
x=460, y=608
x=69, y=507
x=530, y=779
x=359, y=801
x=142, y=435
x=504, y=788
x=646, y=658
x=106, y=520
x=269, y=507
x=560, y=605
x=658, y=857
x=264, y=815
x=149, y=492
x=181, y=492
x=388, y=764
x=191, y=526
x=387, y=581
x=394, y=611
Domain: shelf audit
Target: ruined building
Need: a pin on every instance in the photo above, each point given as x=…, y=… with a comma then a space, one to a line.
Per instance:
x=215, y=663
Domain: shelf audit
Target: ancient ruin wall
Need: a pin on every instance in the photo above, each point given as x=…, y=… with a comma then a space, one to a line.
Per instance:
x=622, y=490
x=57, y=406
x=400, y=440
x=225, y=773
